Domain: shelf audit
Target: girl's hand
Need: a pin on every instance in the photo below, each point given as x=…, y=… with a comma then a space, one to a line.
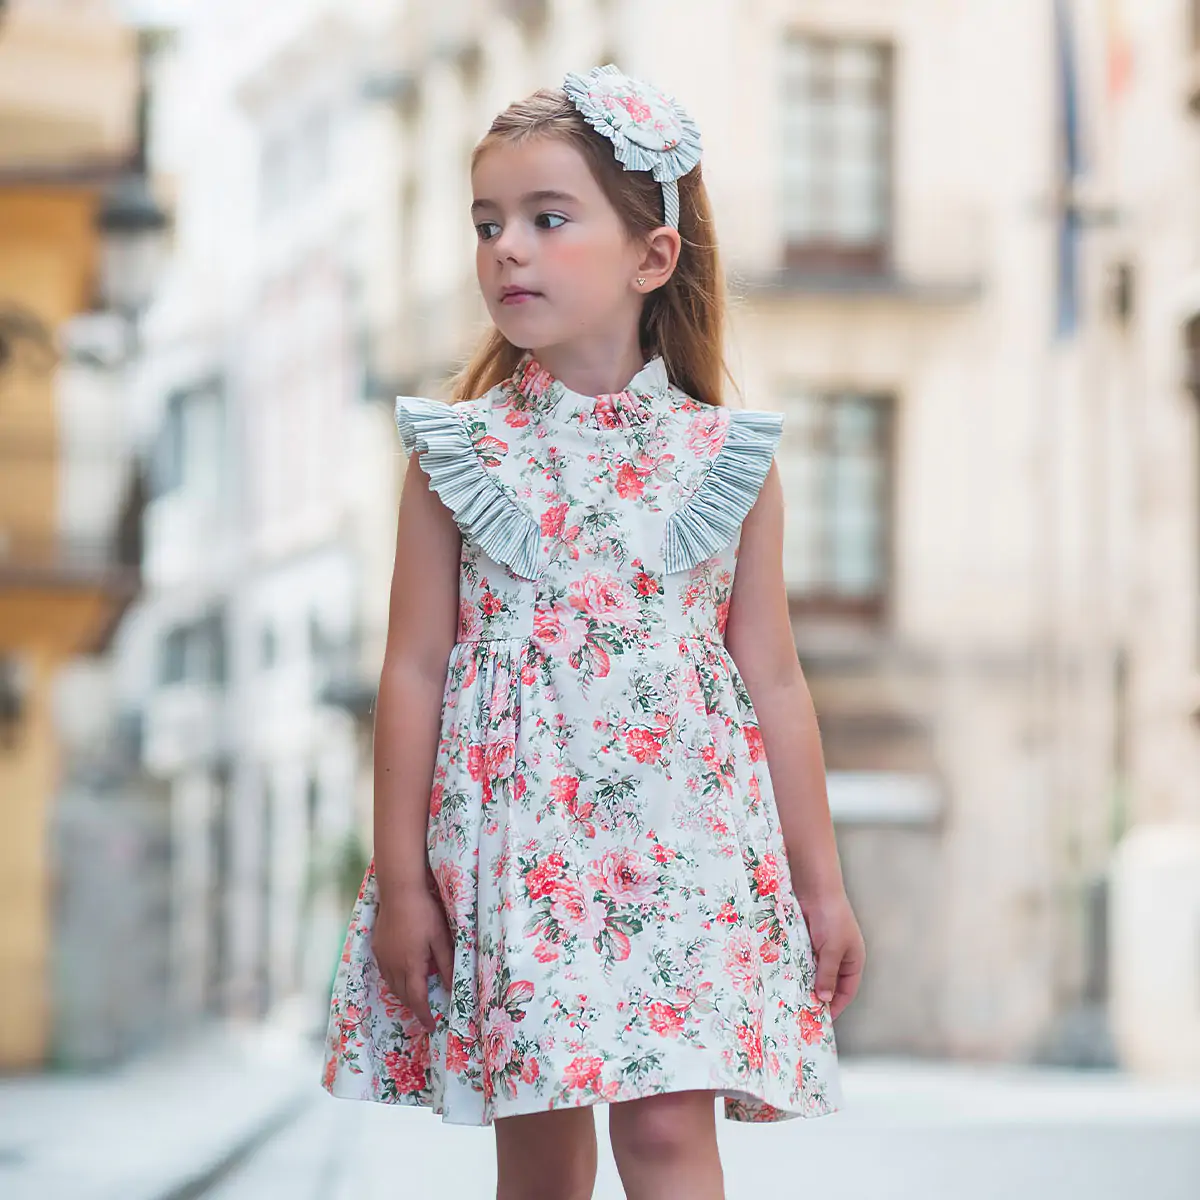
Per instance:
x=838, y=943
x=411, y=941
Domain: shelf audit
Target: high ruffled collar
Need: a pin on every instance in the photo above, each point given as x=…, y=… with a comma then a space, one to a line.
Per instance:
x=537, y=389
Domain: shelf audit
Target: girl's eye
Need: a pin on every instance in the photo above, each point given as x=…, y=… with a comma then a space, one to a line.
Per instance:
x=487, y=230
x=548, y=217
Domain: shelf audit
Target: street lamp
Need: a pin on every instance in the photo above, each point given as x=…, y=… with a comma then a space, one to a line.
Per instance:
x=131, y=223
x=132, y=244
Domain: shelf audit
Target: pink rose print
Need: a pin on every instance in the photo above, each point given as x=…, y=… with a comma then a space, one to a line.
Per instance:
x=754, y=742
x=553, y=519
x=629, y=482
x=637, y=108
x=583, y=1072
x=750, y=1037
x=625, y=876
x=575, y=910
x=456, y=1053
x=811, y=1029
x=469, y=625
x=543, y=879
x=742, y=962
x=706, y=432
x=665, y=1020
x=499, y=1038
x=564, y=788
x=644, y=745
x=405, y=1074
x=452, y=887
x=766, y=876
x=603, y=597
x=536, y=381
x=557, y=631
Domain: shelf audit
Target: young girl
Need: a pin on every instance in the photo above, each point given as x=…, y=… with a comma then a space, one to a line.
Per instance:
x=587, y=886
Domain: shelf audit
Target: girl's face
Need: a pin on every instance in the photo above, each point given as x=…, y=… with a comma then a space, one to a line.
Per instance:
x=555, y=264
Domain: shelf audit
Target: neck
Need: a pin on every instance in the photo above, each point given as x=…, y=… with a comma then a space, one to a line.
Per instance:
x=594, y=367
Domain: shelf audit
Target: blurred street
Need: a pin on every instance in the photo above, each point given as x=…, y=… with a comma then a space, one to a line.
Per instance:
x=232, y=235
x=244, y=1118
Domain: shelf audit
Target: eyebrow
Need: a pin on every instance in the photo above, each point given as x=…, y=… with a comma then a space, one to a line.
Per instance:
x=529, y=198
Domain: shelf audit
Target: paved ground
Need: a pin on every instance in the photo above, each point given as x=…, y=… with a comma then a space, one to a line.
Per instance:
x=240, y=1118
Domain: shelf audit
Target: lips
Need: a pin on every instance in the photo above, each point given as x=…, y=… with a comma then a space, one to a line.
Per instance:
x=517, y=295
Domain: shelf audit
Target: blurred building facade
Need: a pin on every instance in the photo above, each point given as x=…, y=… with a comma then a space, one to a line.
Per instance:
x=268, y=532
x=1149, y=144
x=899, y=230
x=970, y=302
x=69, y=498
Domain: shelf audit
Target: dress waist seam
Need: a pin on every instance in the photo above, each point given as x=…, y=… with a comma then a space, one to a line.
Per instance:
x=523, y=638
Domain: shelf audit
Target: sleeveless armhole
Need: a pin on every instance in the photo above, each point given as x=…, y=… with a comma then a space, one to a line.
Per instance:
x=714, y=512
x=483, y=511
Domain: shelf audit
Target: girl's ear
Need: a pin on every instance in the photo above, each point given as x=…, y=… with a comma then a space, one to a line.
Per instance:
x=659, y=259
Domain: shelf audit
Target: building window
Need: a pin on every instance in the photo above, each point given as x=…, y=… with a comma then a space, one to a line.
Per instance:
x=173, y=657
x=836, y=154
x=268, y=647
x=836, y=468
x=319, y=642
x=295, y=159
x=194, y=652
x=190, y=449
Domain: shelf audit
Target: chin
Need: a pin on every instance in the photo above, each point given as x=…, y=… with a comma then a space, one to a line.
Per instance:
x=524, y=339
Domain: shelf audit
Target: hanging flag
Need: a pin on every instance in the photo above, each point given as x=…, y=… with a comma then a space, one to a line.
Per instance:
x=1070, y=167
x=1118, y=49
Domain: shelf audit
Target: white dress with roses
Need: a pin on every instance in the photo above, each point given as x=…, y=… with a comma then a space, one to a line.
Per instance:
x=602, y=826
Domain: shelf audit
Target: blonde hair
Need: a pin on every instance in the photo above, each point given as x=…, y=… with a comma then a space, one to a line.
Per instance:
x=684, y=320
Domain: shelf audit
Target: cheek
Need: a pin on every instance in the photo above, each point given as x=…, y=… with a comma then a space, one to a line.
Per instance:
x=597, y=263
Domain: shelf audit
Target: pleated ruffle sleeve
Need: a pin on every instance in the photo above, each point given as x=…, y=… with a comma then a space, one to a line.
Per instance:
x=483, y=510
x=712, y=516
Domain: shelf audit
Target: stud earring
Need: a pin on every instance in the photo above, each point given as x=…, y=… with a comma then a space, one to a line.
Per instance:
x=641, y=281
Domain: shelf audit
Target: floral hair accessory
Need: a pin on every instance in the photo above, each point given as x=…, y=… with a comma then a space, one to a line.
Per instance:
x=649, y=130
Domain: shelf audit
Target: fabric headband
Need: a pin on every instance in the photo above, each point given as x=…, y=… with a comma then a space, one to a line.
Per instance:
x=649, y=130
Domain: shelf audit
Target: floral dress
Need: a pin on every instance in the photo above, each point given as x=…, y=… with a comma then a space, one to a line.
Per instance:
x=602, y=826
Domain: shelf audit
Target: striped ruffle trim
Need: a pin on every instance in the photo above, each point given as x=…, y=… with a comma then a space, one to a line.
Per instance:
x=714, y=513
x=485, y=513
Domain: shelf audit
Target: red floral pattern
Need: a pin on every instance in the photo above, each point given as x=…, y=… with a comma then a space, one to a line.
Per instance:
x=602, y=828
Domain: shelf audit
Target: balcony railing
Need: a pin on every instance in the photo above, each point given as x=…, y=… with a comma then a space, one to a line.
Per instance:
x=938, y=254
x=346, y=673
x=69, y=515
x=65, y=561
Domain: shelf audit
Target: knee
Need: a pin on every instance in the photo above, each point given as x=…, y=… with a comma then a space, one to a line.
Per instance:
x=661, y=1128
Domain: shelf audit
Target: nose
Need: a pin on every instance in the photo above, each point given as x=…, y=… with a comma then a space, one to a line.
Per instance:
x=510, y=244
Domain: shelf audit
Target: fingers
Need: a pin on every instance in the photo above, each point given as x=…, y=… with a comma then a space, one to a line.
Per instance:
x=417, y=987
x=443, y=954
x=829, y=962
x=850, y=974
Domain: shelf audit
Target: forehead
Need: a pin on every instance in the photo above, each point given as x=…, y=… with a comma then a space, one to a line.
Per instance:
x=507, y=170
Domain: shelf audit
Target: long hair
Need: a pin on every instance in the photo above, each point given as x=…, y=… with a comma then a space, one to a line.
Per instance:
x=684, y=320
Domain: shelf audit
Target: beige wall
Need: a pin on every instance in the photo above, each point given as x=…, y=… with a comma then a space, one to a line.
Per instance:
x=66, y=83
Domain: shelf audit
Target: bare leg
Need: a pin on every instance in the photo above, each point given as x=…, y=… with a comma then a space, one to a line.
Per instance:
x=546, y=1156
x=666, y=1147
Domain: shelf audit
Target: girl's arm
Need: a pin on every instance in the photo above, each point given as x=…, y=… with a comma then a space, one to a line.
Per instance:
x=759, y=638
x=422, y=628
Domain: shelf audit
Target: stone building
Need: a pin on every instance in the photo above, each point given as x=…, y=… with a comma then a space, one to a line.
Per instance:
x=961, y=250
x=891, y=211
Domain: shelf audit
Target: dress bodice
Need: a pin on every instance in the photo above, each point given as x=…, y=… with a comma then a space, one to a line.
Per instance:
x=591, y=523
